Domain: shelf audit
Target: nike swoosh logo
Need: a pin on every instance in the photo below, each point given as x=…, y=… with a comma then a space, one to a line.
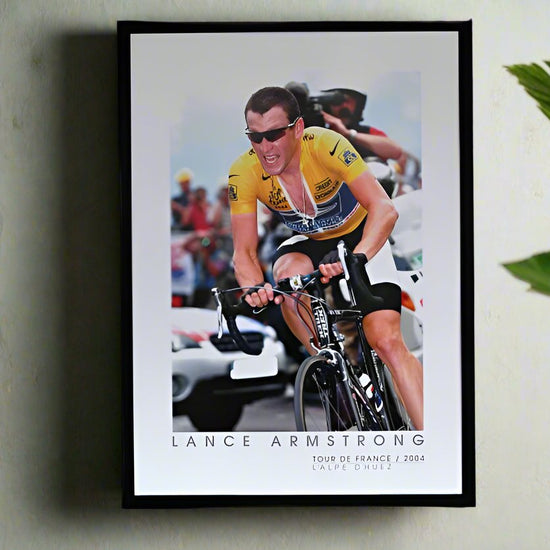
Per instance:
x=334, y=150
x=232, y=175
x=266, y=178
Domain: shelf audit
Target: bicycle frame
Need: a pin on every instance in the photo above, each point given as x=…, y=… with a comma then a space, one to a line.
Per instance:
x=364, y=384
x=330, y=344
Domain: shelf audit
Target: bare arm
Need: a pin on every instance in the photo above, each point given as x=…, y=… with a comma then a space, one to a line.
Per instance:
x=248, y=270
x=382, y=146
x=382, y=214
x=245, y=242
x=381, y=219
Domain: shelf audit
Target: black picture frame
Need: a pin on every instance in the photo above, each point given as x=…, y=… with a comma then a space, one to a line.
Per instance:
x=158, y=80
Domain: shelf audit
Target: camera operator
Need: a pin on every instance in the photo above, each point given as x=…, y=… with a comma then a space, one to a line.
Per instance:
x=341, y=110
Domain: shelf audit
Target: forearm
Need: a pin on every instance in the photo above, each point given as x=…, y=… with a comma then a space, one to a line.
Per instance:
x=378, y=227
x=248, y=270
x=382, y=146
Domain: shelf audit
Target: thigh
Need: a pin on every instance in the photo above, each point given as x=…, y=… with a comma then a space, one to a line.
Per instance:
x=316, y=249
x=382, y=323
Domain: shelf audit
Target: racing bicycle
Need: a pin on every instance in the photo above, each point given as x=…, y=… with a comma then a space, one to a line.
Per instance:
x=331, y=391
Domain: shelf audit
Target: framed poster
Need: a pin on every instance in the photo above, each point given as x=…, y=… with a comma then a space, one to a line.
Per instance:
x=206, y=424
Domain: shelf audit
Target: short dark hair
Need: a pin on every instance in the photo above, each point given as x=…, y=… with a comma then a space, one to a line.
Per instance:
x=266, y=98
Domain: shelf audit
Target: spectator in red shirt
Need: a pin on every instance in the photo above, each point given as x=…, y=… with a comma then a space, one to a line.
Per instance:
x=198, y=212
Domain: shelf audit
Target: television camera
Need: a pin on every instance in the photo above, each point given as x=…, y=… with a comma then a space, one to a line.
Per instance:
x=311, y=106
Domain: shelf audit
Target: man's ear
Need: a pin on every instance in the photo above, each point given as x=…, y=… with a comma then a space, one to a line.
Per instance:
x=299, y=128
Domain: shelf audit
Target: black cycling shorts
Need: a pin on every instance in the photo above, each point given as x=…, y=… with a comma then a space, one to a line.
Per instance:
x=390, y=291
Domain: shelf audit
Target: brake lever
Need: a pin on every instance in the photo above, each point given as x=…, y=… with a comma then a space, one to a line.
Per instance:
x=342, y=257
x=219, y=312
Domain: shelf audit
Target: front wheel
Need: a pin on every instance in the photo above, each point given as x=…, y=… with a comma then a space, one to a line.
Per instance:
x=322, y=399
x=219, y=415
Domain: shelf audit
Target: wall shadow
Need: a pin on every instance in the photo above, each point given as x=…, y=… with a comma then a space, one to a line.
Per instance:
x=90, y=462
x=91, y=454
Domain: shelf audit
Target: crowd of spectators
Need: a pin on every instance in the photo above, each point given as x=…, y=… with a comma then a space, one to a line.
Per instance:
x=202, y=245
x=201, y=242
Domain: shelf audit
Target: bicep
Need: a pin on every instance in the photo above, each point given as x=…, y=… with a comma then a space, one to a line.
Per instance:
x=368, y=191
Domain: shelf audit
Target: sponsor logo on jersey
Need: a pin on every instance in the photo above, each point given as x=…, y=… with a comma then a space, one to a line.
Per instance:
x=331, y=153
x=276, y=197
x=348, y=157
x=323, y=194
x=307, y=136
x=324, y=188
x=323, y=184
x=232, y=192
x=335, y=212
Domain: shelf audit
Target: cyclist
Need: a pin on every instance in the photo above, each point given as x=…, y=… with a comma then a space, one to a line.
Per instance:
x=319, y=186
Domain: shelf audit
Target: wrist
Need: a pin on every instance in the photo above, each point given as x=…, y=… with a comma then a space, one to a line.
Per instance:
x=352, y=134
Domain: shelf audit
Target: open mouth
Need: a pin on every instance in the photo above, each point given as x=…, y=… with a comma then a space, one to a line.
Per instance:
x=270, y=159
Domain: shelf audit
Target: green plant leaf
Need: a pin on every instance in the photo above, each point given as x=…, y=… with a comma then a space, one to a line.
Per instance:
x=536, y=81
x=534, y=270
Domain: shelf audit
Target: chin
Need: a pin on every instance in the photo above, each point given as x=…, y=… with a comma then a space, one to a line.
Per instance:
x=271, y=170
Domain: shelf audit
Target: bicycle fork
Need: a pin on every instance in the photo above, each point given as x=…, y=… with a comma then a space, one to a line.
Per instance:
x=344, y=384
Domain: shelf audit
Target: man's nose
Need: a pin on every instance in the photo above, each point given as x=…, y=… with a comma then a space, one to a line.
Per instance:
x=265, y=143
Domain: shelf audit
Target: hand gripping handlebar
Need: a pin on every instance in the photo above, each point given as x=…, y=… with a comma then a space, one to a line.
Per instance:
x=354, y=275
x=357, y=279
x=230, y=312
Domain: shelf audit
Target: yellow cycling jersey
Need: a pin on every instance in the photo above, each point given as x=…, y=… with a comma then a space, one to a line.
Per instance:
x=327, y=162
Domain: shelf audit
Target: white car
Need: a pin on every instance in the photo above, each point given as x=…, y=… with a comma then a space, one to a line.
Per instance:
x=412, y=306
x=406, y=242
x=406, y=237
x=212, y=379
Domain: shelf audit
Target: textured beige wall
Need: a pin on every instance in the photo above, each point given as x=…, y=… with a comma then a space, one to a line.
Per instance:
x=59, y=291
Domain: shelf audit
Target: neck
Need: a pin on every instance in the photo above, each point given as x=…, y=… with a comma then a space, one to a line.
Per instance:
x=292, y=171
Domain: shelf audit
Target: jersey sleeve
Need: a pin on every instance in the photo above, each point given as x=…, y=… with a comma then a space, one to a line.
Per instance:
x=376, y=132
x=339, y=155
x=372, y=131
x=242, y=187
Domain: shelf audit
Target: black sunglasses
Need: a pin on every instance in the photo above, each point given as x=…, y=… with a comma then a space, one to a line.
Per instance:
x=270, y=135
